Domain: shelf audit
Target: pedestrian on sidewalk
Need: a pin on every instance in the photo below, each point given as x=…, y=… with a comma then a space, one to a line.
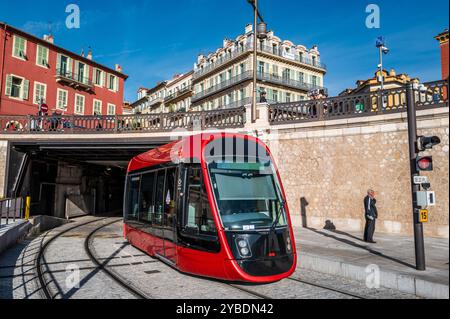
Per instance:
x=371, y=215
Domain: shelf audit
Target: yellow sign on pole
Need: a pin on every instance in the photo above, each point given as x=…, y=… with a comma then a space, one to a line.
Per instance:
x=27, y=208
x=424, y=216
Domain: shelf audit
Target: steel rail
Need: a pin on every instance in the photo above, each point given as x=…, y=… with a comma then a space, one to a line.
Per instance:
x=102, y=266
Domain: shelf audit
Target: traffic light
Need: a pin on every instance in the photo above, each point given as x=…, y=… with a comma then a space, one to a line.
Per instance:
x=427, y=142
x=424, y=164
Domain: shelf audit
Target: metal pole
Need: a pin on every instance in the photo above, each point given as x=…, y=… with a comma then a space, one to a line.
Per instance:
x=381, y=79
x=255, y=61
x=412, y=133
x=381, y=68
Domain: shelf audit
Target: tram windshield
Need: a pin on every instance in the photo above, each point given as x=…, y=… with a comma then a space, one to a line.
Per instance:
x=248, y=195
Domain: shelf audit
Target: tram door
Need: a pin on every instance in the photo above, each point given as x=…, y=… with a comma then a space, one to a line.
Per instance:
x=169, y=218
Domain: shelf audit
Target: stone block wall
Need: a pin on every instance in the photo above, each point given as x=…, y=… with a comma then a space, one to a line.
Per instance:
x=327, y=171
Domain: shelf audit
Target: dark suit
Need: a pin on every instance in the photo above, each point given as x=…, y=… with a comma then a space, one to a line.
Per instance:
x=371, y=215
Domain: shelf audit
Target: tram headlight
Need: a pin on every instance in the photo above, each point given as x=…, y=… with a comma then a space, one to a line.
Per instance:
x=288, y=244
x=242, y=243
x=244, y=248
x=245, y=252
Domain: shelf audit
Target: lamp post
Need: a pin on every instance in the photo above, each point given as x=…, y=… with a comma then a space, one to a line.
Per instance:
x=259, y=32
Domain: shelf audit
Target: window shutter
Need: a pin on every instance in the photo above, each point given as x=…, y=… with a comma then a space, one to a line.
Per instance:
x=9, y=80
x=94, y=75
x=86, y=74
x=58, y=63
x=116, y=86
x=25, y=89
x=70, y=65
x=105, y=79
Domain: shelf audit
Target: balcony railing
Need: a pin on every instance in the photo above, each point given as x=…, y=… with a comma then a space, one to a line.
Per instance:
x=266, y=49
x=178, y=94
x=278, y=51
x=265, y=77
x=162, y=122
x=276, y=79
x=222, y=85
x=74, y=78
x=432, y=95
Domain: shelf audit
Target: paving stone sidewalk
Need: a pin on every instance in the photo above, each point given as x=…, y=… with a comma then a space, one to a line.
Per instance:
x=346, y=254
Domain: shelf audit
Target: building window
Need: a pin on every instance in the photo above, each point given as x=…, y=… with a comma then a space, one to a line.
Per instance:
x=301, y=77
x=314, y=80
x=113, y=85
x=97, y=108
x=111, y=109
x=79, y=104
x=17, y=87
x=275, y=49
x=64, y=66
x=286, y=74
x=20, y=47
x=300, y=56
x=261, y=67
x=275, y=70
x=42, y=56
x=61, y=102
x=275, y=96
x=82, y=74
x=314, y=61
x=40, y=93
x=98, y=77
x=288, y=97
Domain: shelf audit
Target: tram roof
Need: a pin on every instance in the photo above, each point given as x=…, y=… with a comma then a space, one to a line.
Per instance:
x=186, y=148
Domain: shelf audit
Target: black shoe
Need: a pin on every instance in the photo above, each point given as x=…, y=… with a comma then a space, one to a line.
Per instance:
x=372, y=242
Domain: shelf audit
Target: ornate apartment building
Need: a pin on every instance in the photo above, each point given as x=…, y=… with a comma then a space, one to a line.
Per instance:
x=223, y=79
x=167, y=96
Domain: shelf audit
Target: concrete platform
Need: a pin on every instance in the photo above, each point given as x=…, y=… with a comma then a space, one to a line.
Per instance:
x=345, y=254
x=10, y=234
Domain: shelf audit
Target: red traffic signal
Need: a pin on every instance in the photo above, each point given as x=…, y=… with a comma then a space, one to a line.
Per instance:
x=424, y=163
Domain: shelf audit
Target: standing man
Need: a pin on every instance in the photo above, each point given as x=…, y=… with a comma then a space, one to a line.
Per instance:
x=371, y=215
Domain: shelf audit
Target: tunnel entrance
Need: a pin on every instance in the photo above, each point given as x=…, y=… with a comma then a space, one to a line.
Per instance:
x=72, y=179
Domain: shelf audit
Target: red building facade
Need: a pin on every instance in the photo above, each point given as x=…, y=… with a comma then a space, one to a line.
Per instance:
x=35, y=71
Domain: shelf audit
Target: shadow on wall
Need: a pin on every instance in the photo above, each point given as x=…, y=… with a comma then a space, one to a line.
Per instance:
x=352, y=240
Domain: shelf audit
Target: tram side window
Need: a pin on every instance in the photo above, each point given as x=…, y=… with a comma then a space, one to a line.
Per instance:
x=169, y=203
x=132, y=212
x=198, y=215
x=147, y=200
x=159, y=200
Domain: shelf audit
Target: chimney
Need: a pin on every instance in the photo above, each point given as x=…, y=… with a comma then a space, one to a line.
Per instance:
x=248, y=28
x=118, y=68
x=392, y=72
x=82, y=53
x=49, y=38
x=89, y=55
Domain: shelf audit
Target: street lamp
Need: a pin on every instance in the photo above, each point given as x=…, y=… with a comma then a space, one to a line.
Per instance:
x=259, y=32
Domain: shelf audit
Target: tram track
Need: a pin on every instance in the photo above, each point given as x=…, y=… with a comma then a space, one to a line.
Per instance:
x=328, y=288
x=101, y=264
x=117, y=278
x=40, y=261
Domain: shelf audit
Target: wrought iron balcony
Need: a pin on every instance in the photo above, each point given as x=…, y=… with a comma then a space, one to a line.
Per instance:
x=278, y=51
x=74, y=79
x=262, y=77
x=265, y=49
x=178, y=94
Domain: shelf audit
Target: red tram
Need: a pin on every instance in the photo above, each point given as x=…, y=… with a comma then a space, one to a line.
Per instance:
x=211, y=205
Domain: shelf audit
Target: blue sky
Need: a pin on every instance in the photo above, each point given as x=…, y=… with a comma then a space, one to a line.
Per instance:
x=155, y=39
